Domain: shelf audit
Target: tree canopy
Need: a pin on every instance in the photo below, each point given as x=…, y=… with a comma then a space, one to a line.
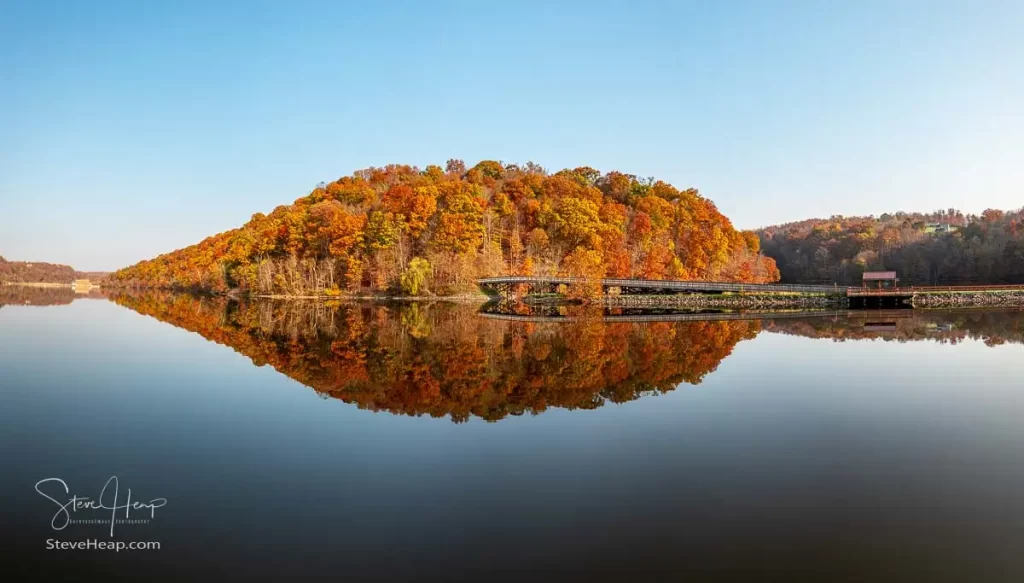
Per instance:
x=38, y=272
x=362, y=232
x=943, y=247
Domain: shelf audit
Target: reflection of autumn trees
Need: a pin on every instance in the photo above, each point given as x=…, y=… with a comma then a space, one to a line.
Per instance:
x=21, y=295
x=993, y=327
x=444, y=360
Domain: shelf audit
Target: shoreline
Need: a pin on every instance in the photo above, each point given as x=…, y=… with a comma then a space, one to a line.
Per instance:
x=923, y=300
x=973, y=299
x=937, y=299
x=238, y=295
x=701, y=301
x=37, y=284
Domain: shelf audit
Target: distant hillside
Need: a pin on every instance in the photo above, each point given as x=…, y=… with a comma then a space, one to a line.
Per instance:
x=923, y=248
x=435, y=230
x=37, y=272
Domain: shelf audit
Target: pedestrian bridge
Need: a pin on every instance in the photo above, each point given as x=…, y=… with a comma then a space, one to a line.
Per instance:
x=507, y=284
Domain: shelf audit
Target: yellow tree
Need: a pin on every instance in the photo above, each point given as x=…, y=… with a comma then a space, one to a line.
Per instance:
x=587, y=267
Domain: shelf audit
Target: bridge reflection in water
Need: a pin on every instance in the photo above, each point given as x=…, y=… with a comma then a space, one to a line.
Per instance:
x=538, y=314
x=512, y=286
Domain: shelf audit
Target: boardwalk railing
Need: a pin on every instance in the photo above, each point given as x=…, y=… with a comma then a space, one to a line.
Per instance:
x=665, y=285
x=658, y=285
x=967, y=288
x=912, y=290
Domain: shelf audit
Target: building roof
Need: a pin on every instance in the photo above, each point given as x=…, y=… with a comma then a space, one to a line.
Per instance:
x=876, y=275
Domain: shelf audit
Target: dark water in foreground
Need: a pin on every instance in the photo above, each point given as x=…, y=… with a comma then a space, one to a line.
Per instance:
x=431, y=443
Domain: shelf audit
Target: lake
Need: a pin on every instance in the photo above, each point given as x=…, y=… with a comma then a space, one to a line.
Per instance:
x=432, y=442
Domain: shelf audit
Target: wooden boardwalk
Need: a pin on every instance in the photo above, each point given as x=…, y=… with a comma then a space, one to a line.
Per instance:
x=505, y=285
x=926, y=289
x=638, y=286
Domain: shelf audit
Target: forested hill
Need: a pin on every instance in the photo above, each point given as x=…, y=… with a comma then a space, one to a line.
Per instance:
x=923, y=248
x=36, y=272
x=436, y=230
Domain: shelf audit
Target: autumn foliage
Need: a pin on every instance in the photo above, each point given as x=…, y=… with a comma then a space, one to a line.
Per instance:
x=37, y=272
x=942, y=247
x=361, y=233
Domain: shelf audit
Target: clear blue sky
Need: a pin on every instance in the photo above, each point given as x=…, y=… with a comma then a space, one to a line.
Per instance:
x=133, y=128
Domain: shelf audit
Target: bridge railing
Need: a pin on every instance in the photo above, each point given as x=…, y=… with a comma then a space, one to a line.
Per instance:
x=667, y=284
x=1004, y=287
x=910, y=290
x=742, y=287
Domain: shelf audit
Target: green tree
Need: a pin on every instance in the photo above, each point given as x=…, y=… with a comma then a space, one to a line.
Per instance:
x=415, y=276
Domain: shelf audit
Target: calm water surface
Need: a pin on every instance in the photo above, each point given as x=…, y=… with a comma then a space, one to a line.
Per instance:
x=428, y=442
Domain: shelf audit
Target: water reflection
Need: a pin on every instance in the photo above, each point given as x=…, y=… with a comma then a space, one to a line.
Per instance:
x=993, y=327
x=21, y=295
x=447, y=360
x=795, y=457
x=31, y=295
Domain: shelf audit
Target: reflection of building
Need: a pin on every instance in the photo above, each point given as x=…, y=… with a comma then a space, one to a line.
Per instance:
x=879, y=279
x=82, y=285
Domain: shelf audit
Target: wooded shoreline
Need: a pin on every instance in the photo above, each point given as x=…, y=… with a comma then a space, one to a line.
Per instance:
x=930, y=299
